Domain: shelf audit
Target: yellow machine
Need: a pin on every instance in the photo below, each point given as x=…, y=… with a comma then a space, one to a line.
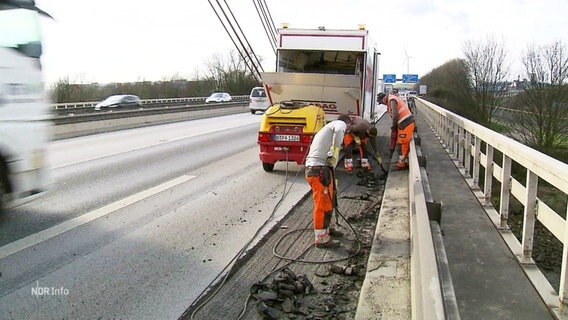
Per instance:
x=286, y=132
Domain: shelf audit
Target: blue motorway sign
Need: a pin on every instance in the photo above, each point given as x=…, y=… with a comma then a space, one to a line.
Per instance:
x=389, y=78
x=409, y=78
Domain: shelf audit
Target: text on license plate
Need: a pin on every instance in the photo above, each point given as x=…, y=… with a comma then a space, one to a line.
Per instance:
x=285, y=137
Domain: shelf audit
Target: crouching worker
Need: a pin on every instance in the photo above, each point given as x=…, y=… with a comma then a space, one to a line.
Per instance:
x=402, y=122
x=320, y=163
x=362, y=135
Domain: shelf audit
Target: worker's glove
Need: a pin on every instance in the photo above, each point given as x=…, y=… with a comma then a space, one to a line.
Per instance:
x=332, y=156
x=357, y=140
x=379, y=159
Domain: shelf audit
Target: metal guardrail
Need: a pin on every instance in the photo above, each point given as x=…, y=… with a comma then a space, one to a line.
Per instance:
x=473, y=146
x=128, y=112
x=434, y=212
x=79, y=105
x=426, y=290
x=92, y=123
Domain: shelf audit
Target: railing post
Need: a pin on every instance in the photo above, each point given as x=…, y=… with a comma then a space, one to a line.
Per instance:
x=438, y=118
x=450, y=139
x=454, y=139
x=488, y=185
x=563, y=289
x=460, y=146
x=505, y=192
x=476, y=160
x=529, y=217
x=467, y=153
x=440, y=127
x=444, y=131
x=447, y=137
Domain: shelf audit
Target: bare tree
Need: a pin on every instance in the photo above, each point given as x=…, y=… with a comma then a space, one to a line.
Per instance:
x=448, y=85
x=223, y=73
x=215, y=70
x=230, y=73
x=488, y=70
x=61, y=91
x=542, y=119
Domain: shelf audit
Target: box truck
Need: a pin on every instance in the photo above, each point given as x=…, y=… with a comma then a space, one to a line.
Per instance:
x=335, y=70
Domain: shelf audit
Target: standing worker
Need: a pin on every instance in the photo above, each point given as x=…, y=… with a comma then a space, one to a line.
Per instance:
x=363, y=135
x=402, y=122
x=320, y=163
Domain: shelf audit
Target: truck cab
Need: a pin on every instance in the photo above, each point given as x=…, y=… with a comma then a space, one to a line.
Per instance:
x=25, y=125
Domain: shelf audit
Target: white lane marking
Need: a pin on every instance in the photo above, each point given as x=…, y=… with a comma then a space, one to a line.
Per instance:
x=56, y=230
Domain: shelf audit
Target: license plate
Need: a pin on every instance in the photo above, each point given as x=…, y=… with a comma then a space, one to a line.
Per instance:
x=285, y=137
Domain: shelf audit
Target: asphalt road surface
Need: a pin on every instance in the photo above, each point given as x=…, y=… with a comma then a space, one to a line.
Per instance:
x=137, y=223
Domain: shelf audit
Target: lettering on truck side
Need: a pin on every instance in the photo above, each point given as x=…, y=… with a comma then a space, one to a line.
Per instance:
x=326, y=106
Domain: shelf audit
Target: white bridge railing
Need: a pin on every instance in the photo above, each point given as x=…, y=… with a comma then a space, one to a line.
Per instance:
x=472, y=147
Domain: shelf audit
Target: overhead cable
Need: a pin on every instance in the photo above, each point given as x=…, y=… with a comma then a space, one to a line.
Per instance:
x=246, y=53
x=266, y=26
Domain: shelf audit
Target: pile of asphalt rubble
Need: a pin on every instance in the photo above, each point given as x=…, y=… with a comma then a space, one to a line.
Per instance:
x=286, y=295
x=335, y=293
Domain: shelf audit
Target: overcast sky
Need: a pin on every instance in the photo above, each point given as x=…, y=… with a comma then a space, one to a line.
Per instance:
x=128, y=40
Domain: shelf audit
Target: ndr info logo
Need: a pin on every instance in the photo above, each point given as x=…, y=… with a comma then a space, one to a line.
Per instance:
x=49, y=291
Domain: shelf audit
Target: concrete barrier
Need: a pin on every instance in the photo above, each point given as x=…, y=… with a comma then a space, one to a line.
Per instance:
x=385, y=293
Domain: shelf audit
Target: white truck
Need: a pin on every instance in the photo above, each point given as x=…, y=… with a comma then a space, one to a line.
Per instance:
x=334, y=69
x=25, y=127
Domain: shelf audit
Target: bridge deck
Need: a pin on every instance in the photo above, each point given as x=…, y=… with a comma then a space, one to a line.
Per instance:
x=488, y=281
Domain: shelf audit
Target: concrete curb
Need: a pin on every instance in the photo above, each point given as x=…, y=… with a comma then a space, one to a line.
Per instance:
x=386, y=290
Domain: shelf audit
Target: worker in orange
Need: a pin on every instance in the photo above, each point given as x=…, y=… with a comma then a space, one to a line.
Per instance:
x=363, y=136
x=320, y=163
x=402, y=122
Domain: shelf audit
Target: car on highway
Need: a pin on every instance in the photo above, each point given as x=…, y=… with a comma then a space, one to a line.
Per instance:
x=219, y=97
x=119, y=100
x=258, y=101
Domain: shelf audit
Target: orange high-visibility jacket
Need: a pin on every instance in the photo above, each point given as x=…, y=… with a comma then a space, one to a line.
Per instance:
x=403, y=111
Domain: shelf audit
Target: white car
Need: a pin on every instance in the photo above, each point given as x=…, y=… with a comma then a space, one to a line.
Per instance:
x=258, y=100
x=219, y=97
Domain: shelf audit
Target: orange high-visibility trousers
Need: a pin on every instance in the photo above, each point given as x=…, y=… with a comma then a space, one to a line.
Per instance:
x=347, y=139
x=323, y=205
x=349, y=144
x=403, y=139
x=393, y=138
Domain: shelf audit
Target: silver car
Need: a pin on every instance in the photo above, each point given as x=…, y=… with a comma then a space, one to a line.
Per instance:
x=121, y=100
x=258, y=100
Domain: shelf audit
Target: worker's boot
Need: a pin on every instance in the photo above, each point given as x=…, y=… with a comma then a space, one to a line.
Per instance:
x=331, y=244
x=335, y=233
x=401, y=164
x=365, y=164
x=323, y=240
x=348, y=164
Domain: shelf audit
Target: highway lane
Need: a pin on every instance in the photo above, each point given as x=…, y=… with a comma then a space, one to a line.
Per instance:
x=138, y=222
x=95, y=170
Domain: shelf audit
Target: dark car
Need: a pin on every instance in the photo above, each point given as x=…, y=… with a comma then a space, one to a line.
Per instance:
x=121, y=100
